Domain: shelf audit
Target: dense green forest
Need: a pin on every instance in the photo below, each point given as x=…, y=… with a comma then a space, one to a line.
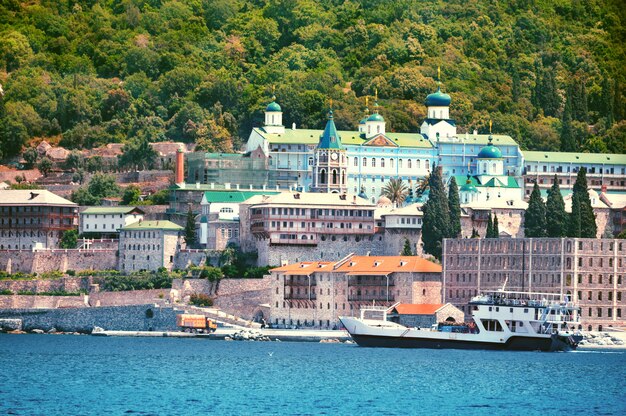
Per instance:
x=550, y=73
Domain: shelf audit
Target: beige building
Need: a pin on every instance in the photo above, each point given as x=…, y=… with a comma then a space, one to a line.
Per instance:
x=148, y=245
x=315, y=294
x=34, y=219
x=591, y=271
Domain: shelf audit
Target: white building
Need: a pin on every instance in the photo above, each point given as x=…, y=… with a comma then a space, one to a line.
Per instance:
x=108, y=220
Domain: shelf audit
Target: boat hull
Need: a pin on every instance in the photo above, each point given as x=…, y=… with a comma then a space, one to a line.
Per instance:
x=513, y=343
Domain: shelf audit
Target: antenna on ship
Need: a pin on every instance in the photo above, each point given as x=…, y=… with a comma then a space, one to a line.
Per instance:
x=504, y=285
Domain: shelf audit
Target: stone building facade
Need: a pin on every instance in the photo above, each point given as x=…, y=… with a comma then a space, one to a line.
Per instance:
x=315, y=294
x=148, y=245
x=34, y=219
x=592, y=272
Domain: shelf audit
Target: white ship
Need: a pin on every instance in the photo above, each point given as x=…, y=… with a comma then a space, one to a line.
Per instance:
x=501, y=320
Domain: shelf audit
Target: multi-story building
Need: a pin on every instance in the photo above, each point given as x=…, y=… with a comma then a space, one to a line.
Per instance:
x=604, y=171
x=302, y=225
x=316, y=293
x=34, y=219
x=219, y=217
x=148, y=245
x=592, y=272
x=107, y=221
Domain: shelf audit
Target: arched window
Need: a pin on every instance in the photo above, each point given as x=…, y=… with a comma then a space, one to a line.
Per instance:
x=272, y=119
x=400, y=163
x=335, y=176
x=373, y=162
x=391, y=163
x=356, y=161
x=364, y=161
x=323, y=176
x=428, y=165
x=378, y=129
x=418, y=163
x=369, y=129
x=493, y=167
x=382, y=162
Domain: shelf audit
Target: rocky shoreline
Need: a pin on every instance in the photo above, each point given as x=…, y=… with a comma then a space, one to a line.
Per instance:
x=603, y=340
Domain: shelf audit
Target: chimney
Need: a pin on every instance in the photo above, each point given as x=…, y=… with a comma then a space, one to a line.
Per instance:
x=180, y=166
x=293, y=126
x=475, y=132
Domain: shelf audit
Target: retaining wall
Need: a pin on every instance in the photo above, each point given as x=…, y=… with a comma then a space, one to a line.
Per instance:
x=41, y=302
x=28, y=261
x=132, y=297
x=121, y=318
x=67, y=284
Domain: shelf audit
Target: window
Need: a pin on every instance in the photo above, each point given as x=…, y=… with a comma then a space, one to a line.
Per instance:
x=382, y=162
x=356, y=161
x=364, y=161
x=373, y=162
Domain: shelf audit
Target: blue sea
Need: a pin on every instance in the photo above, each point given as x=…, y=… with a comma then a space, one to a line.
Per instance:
x=83, y=375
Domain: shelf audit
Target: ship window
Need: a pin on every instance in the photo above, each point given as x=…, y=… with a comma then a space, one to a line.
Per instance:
x=497, y=309
x=525, y=310
x=511, y=310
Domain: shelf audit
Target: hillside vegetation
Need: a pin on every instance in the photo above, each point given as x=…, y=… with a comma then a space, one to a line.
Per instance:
x=551, y=73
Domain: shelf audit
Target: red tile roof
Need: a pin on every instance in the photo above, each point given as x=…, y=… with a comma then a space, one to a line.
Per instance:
x=413, y=309
x=388, y=264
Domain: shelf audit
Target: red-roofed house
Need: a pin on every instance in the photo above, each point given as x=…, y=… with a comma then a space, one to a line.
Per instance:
x=315, y=294
x=424, y=315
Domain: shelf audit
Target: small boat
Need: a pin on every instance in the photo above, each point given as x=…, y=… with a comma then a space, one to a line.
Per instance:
x=501, y=320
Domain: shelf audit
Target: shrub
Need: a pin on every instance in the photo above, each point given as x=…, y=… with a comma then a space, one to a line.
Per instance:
x=5, y=292
x=212, y=274
x=256, y=272
x=71, y=272
x=200, y=299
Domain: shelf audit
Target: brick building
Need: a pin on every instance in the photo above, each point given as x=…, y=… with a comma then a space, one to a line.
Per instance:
x=148, y=245
x=34, y=218
x=591, y=271
x=315, y=294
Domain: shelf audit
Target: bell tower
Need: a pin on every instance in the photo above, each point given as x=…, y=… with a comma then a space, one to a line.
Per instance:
x=330, y=164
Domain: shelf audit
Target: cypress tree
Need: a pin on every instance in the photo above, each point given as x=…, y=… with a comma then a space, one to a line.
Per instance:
x=556, y=217
x=454, y=206
x=582, y=219
x=535, y=215
x=489, y=231
x=406, y=250
x=495, y=231
x=191, y=239
x=436, y=215
x=568, y=142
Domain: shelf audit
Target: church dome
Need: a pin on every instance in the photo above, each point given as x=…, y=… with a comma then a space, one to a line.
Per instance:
x=383, y=201
x=363, y=120
x=468, y=187
x=438, y=99
x=490, y=152
x=273, y=107
x=375, y=117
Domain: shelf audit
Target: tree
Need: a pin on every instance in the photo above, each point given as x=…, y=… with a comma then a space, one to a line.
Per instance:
x=45, y=166
x=131, y=195
x=582, y=222
x=191, y=239
x=30, y=156
x=495, y=233
x=475, y=233
x=568, y=141
x=406, y=250
x=489, y=232
x=535, y=215
x=74, y=161
x=396, y=190
x=138, y=154
x=69, y=239
x=556, y=217
x=454, y=205
x=436, y=224
x=102, y=185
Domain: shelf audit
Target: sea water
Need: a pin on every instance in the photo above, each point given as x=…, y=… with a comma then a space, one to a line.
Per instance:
x=84, y=375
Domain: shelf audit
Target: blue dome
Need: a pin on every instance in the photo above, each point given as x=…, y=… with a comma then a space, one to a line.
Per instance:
x=363, y=120
x=375, y=117
x=438, y=99
x=490, y=152
x=273, y=107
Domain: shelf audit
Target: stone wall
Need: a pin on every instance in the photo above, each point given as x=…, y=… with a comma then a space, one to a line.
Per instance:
x=394, y=241
x=185, y=258
x=123, y=318
x=244, y=297
x=132, y=297
x=42, y=302
x=67, y=284
x=42, y=261
x=328, y=250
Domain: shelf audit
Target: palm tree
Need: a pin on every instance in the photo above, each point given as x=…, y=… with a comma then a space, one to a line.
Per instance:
x=396, y=190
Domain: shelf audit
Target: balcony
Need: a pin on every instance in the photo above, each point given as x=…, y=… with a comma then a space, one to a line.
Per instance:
x=301, y=283
x=370, y=298
x=293, y=241
x=370, y=282
x=300, y=296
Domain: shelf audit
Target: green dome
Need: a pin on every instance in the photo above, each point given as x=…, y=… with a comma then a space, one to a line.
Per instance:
x=273, y=107
x=363, y=120
x=490, y=152
x=438, y=99
x=468, y=187
x=375, y=117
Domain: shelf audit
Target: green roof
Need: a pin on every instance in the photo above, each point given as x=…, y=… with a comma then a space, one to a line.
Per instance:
x=375, y=117
x=350, y=138
x=273, y=107
x=499, y=182
x=490, y=152
x=576, y=158
x=479, y=139
x=110, y=210
x=330, y=138
x=438, y=99
x=153, y=225
x=233, y=196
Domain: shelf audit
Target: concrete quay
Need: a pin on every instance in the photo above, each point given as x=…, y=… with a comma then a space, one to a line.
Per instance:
x=289, y=335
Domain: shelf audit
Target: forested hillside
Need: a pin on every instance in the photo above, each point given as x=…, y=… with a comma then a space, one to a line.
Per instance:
x=551, y=73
